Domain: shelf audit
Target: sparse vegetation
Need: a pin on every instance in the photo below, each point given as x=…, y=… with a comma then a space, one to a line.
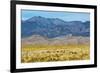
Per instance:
x=46, y=53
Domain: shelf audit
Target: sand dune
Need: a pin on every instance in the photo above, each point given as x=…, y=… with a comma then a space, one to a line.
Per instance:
x=37, y=39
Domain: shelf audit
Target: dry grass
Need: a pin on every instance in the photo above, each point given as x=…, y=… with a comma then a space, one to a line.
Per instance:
x=46, y=53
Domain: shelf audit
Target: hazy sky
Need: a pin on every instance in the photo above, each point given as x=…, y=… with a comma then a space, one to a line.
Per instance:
x=66, y=16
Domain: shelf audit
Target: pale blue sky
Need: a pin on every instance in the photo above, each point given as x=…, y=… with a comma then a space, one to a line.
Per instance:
x=66, y=16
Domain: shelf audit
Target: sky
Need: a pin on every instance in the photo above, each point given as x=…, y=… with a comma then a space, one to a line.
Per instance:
x=64, y=15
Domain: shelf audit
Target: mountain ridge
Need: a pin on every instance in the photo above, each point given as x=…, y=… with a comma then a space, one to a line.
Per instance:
x=53, y=27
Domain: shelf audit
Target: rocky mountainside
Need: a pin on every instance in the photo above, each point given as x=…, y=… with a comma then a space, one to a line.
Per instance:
x=53, y=27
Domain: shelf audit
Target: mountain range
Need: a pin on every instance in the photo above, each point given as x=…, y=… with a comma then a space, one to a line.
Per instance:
x=53, y=27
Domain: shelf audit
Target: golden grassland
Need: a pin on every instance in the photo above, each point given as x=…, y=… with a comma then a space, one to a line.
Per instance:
x=48, y=53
